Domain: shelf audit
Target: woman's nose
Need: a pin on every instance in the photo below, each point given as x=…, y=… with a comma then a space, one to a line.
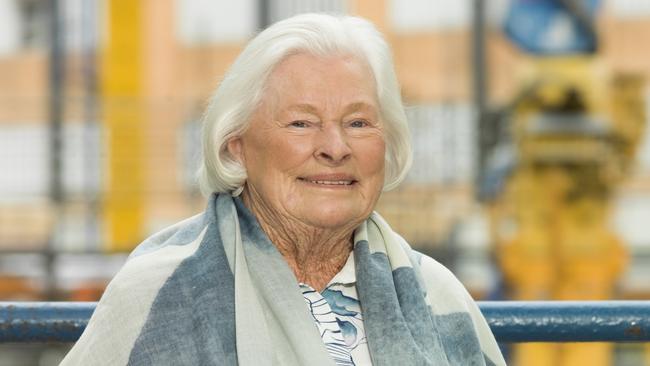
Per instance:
x=333, y=146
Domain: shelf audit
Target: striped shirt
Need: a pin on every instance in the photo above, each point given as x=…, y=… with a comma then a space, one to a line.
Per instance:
x=337, y=315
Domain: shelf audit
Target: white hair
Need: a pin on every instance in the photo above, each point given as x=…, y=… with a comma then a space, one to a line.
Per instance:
x=241, y=90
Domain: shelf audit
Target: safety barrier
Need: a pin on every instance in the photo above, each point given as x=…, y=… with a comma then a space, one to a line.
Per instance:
x=511, y=321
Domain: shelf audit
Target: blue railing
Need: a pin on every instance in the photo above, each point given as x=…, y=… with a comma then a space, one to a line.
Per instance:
x=511, y=321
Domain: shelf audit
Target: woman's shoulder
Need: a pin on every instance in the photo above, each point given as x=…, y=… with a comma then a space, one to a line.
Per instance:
x=431, y=269
x=124, y=307
x=157, y=256
x=181, y=233
x=435, y=271
x=447, y=296
x=438, y=281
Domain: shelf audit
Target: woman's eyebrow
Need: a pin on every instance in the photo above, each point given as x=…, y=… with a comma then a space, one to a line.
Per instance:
x=303, y=107
x=350, y=108
x=360, y=106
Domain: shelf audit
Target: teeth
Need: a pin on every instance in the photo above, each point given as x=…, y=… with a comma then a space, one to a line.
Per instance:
x=332, y=182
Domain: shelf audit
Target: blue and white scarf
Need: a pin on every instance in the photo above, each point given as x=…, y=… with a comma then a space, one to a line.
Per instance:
x=213, y=290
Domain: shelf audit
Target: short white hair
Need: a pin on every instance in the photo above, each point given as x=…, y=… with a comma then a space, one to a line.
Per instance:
x=240, y=92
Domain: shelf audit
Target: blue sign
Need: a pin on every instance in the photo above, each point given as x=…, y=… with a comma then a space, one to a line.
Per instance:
x=547, y=27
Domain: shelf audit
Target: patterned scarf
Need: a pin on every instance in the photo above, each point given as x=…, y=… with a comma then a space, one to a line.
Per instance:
x=213, y=290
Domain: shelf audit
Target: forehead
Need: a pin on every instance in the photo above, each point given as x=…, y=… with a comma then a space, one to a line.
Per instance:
x=308, y=79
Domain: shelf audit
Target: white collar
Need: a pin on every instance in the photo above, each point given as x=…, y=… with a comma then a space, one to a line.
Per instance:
x=347, y=274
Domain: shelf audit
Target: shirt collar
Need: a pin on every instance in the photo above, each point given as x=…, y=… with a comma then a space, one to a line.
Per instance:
x=346, y=275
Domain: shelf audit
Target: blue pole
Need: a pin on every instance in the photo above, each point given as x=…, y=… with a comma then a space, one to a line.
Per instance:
x=31, y=322
x=568, y=321
x=511, y=321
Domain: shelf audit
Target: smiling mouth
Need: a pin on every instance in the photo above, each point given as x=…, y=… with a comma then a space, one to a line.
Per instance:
x=329, y=182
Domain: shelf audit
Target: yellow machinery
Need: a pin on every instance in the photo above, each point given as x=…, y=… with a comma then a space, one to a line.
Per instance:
x=575, y=130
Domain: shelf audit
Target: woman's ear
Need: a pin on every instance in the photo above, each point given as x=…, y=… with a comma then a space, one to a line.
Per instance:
x=235, y=148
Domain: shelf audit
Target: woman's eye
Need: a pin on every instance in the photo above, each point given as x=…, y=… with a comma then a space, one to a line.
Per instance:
x=300, y=124
x=358, y=123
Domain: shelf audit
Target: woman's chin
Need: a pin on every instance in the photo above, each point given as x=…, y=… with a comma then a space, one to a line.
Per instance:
x=333, y=219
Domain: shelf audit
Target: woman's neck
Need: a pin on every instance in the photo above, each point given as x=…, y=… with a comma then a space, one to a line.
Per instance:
x=315, y=255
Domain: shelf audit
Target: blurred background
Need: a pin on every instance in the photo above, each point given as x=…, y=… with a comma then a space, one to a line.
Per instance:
x=531, y=175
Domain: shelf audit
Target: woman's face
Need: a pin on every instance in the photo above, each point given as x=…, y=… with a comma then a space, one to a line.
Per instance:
x=314, y=151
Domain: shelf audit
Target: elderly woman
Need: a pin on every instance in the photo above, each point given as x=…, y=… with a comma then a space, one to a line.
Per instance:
x=289, y=265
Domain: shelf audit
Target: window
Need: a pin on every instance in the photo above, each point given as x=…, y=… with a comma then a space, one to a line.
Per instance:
x=443, y=138
x=213, y=21
x=25, y=155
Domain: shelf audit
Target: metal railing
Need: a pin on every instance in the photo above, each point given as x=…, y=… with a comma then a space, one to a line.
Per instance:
x=511, y=321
